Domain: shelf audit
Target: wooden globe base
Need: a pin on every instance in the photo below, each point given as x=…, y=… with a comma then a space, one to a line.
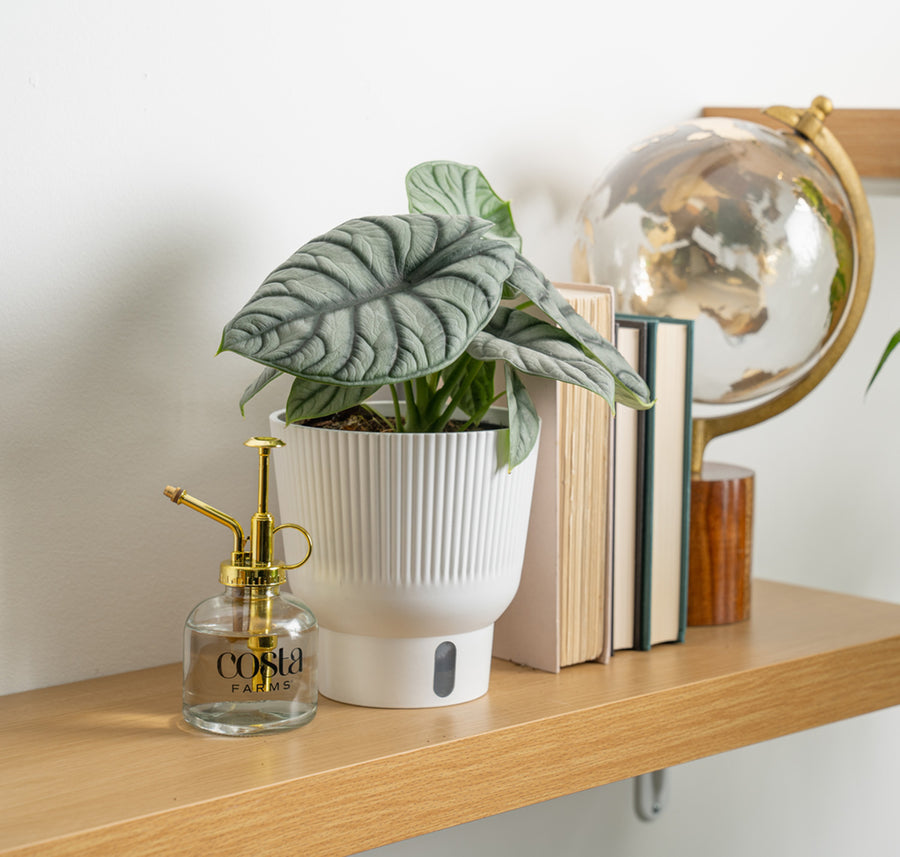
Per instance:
x=721, y=540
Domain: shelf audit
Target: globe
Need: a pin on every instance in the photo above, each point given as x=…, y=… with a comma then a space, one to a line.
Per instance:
x=743, y=229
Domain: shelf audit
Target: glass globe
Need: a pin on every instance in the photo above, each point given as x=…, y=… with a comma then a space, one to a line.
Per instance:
x=738, y=227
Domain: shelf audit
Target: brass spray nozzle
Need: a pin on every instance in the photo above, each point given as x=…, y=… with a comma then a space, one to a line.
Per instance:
x=179, y=497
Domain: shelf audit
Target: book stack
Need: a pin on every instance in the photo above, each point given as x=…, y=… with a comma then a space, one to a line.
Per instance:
x=607, y=554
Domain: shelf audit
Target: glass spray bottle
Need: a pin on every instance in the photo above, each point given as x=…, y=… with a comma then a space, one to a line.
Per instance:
x=250, y=653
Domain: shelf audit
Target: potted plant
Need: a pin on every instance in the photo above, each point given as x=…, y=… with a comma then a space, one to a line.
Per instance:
x=425, y=306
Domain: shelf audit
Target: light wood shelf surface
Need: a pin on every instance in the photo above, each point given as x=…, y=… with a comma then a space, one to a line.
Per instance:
x=871, y=137
x=106, y=767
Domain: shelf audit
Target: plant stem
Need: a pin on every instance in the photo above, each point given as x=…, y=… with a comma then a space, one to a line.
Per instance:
x=381, y=418
x=431, y=401
x=449, y=391
x=398, y=414
x=423, y=392
x=413, y=417
x=476, y=419
x=461, y=384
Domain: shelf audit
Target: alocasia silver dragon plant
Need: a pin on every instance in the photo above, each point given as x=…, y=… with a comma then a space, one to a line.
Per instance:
x=427, y=303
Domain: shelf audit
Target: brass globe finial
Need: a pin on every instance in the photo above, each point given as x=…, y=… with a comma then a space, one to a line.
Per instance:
x=810, y=123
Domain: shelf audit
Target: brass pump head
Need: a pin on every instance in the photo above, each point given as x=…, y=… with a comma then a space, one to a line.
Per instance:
x=253, y=567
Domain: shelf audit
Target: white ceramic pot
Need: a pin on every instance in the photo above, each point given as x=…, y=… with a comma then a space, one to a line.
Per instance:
x=418, y=543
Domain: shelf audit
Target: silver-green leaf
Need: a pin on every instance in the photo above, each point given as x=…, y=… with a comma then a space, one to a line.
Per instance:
x=309, y=399
x=450, y=188
x=267, y=376
x=535, y=347
x=630, y=389
x=376, y=300
x=524, y=422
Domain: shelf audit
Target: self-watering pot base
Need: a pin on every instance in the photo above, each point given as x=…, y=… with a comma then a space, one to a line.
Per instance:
x=415, y=535
x=411, y=672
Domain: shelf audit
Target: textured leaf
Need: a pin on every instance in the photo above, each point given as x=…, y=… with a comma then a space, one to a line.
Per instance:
x=309, y=399
x=524, y=422
x=630, y=389
x=537, y=348
x=267, y=376
x=376, y=300
x=445, y=187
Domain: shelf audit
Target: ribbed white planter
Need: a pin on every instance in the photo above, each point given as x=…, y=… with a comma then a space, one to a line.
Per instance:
x=418, y=543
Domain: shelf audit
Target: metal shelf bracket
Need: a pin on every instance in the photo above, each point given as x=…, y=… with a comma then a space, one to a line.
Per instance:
x=651, y=793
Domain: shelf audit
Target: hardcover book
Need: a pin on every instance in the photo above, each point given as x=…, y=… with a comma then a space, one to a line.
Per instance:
x=561, y=614
x=662, y=550
x=629, y=430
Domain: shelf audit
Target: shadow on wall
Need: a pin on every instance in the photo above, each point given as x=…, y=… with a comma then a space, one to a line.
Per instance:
x=545, y=203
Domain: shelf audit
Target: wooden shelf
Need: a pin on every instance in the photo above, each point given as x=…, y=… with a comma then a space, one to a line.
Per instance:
x=106, y=766
x=870, y=137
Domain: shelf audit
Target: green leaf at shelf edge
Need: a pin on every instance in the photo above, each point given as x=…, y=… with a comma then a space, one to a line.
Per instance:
x=894, y=342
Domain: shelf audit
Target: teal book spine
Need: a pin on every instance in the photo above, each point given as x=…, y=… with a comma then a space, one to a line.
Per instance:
x=644, y=585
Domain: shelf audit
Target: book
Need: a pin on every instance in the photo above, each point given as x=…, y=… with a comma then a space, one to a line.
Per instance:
x=628, y=506
x=561, y=614
x=662, y=548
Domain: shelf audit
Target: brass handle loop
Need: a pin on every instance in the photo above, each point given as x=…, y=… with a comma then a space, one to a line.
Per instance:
x=306, y=535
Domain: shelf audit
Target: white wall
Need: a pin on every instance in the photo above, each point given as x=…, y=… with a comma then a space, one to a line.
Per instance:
x=159, y=159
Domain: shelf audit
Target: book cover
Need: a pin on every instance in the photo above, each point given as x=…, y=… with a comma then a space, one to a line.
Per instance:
x=661, y=586
x=561, y=614
x=628, y=502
